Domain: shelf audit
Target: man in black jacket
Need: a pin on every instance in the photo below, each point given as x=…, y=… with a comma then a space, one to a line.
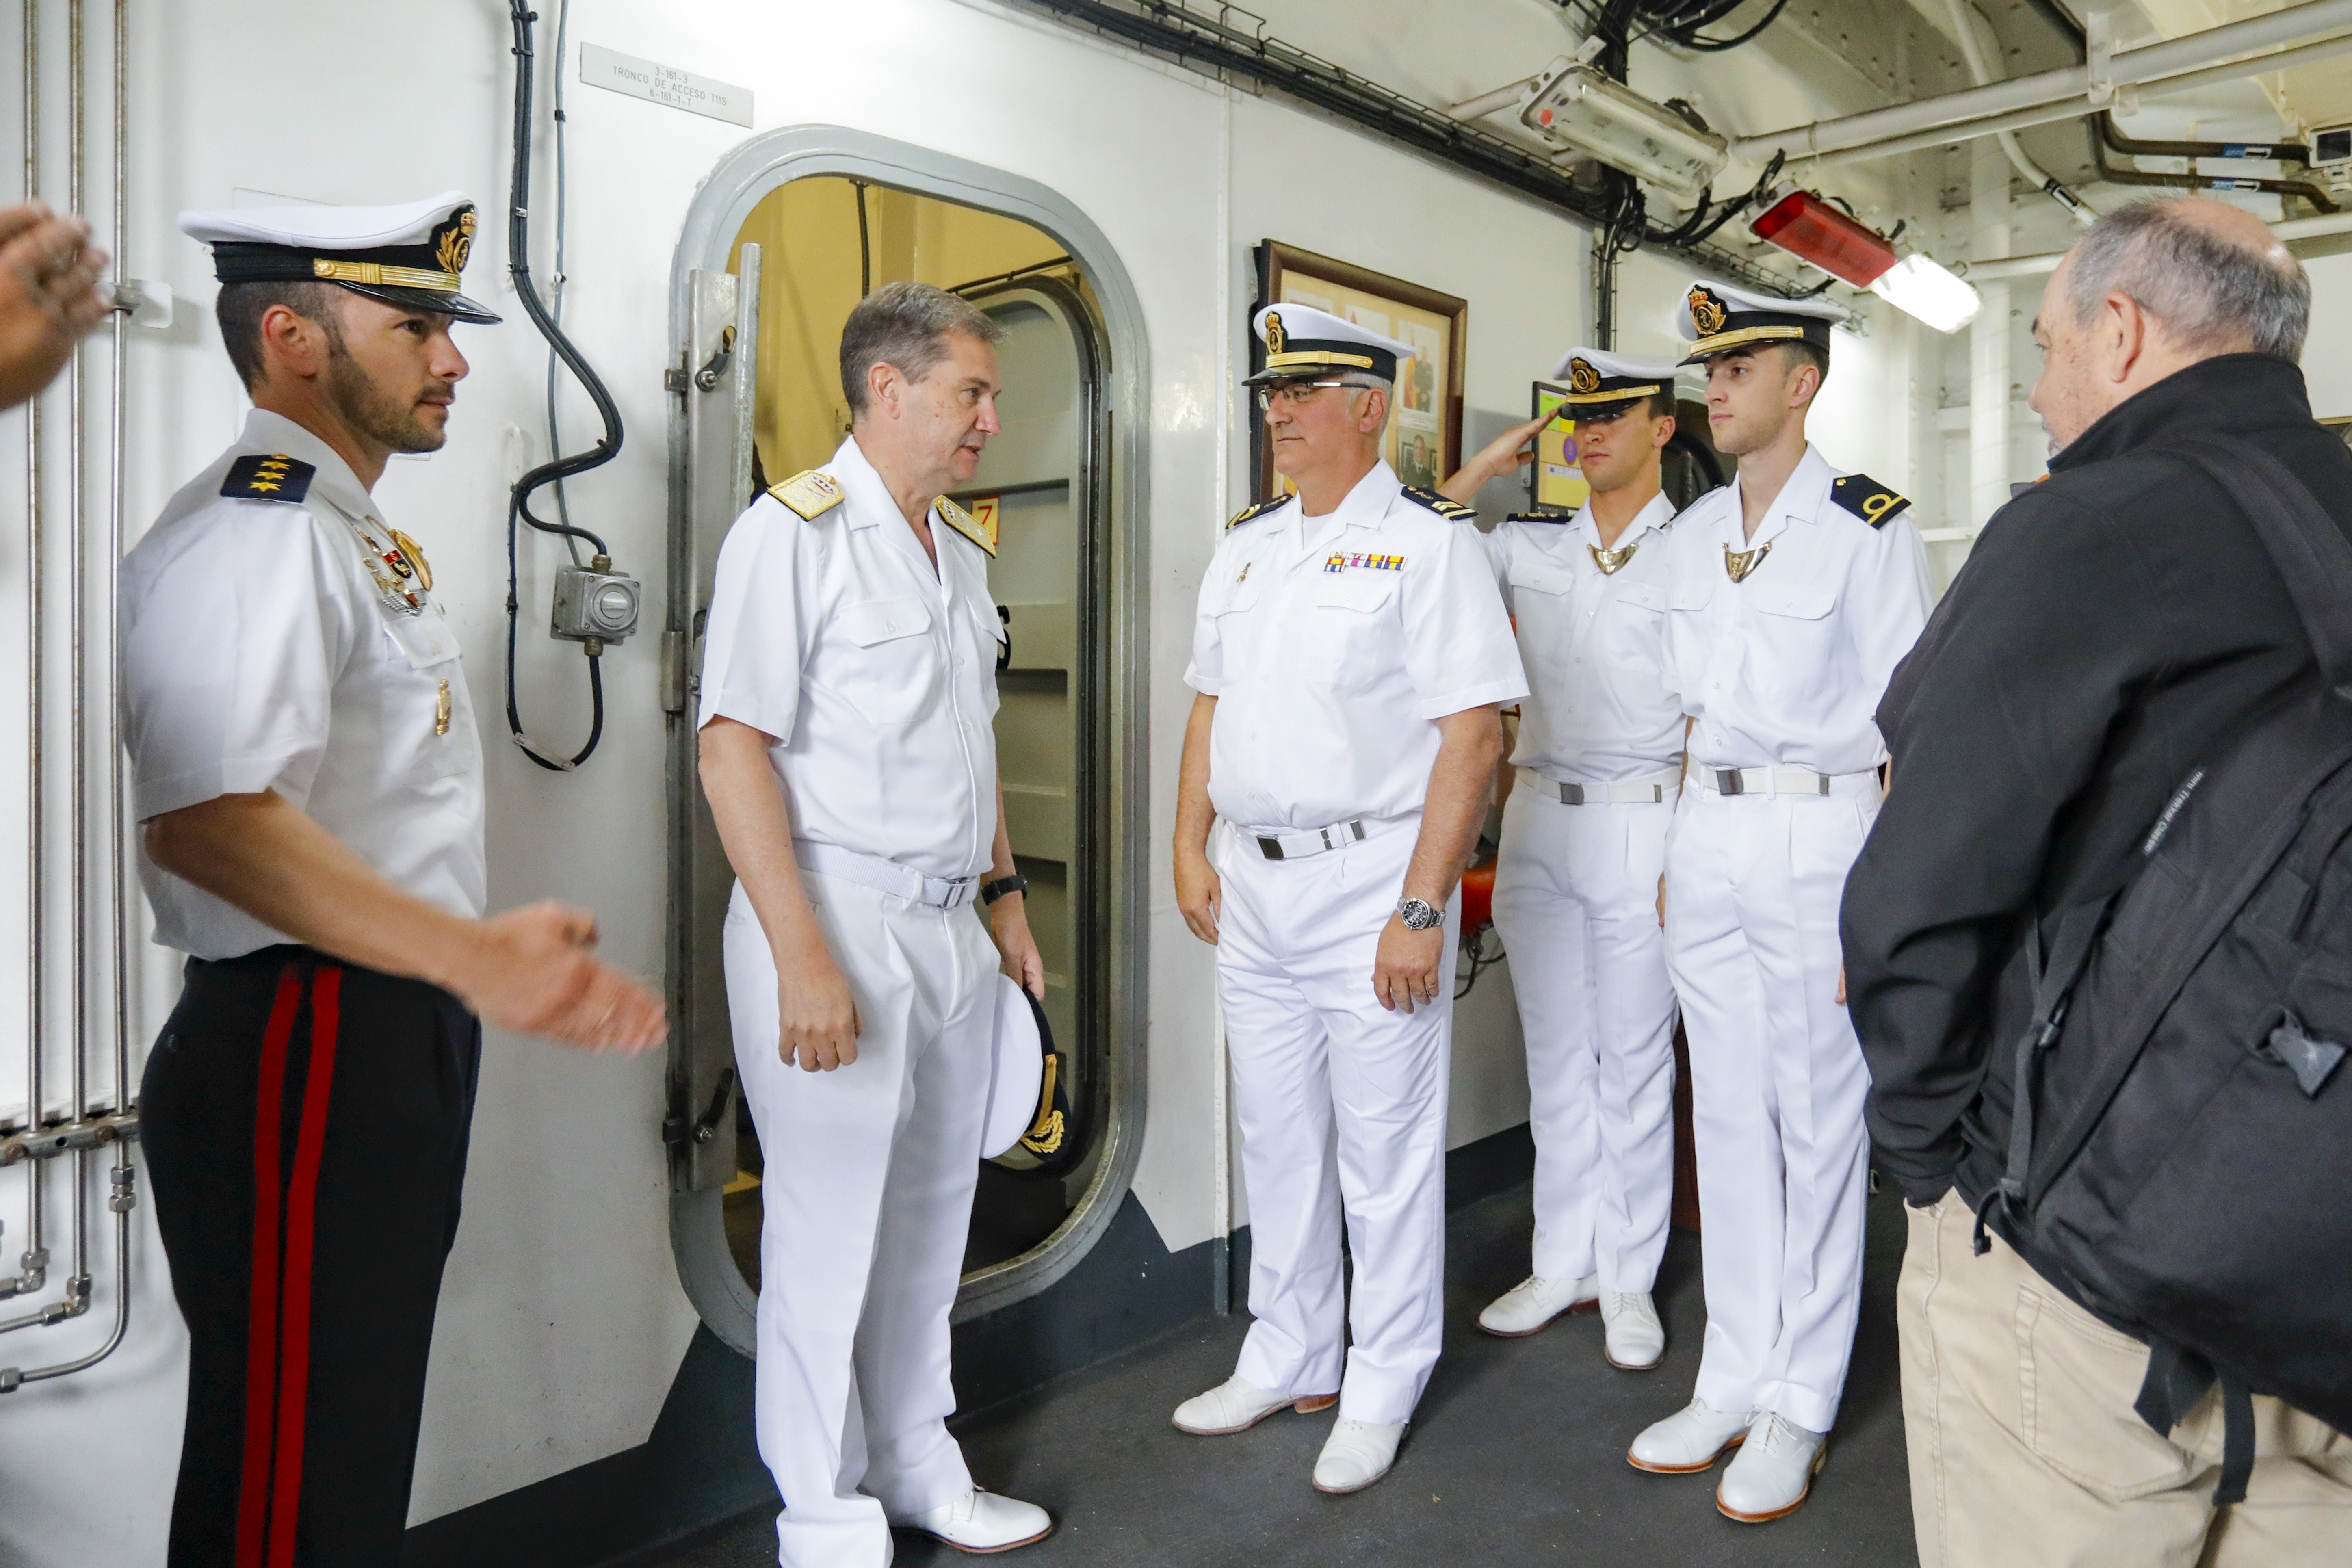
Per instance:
x=2116, y=626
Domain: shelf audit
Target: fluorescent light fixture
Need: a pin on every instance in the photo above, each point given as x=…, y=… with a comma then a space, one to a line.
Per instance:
x=1575, y=106
x=1919, y=287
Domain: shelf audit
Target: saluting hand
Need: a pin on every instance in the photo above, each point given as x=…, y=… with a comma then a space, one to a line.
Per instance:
x=1409, y=966
x=533, y=973
x=49, y=296
x=1512, y=450
x=816, y=1018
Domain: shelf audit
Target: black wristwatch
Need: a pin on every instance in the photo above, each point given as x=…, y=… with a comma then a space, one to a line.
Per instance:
x=992, y=891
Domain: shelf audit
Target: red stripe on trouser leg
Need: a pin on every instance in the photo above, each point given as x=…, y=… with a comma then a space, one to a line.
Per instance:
x=261, y=1306
x=301, y=1214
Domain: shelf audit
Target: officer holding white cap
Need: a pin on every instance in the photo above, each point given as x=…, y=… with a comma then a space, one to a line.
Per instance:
x=1795, y=592
x=849, y=757
x=1598, y=769
x=310, y=782
x=1350, y=656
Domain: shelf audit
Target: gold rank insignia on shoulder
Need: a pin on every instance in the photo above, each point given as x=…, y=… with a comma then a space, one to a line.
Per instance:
x=1867, y=497
x=981, y=534
x=1612, y=560
x=1450, y=510
x=268, y=476
x=1256, y=511
x=1740, y=563
x=810, y=493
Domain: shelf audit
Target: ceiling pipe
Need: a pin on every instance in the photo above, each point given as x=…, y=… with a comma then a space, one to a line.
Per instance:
x=2035, y=266
x=2069, y=85
x=2075, y=107
x=1487, y=103
x=1972, y=28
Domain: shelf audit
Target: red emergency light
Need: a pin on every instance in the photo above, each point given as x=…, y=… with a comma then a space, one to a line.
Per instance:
x=1811, y=229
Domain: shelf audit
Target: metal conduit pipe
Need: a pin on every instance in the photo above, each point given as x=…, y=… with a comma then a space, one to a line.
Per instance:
x=1966, y=22
x=2273, y=152
x=2192, y=181
x=78, y=550
x=1487, y=103
x=2067, y=84
x=2074, y=108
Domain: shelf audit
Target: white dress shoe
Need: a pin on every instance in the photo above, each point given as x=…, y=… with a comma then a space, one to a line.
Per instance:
x=982, y=1522
x=1535, y=1302
x=1773, y=1470
x=1630, y=1335
x=1689, y=1440
x=1237, y=1404
x=1357, y=1454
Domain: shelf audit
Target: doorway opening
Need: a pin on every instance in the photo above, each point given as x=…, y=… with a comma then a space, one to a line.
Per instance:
x=825, y=242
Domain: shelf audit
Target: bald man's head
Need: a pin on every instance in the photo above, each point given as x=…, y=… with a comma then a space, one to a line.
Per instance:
x=2210, y=276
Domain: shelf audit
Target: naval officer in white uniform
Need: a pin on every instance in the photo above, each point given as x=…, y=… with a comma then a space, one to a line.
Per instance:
x=1796, y=590
x=1597, y=769
x=1350, y=656
x=849, y=757
x=309, y=785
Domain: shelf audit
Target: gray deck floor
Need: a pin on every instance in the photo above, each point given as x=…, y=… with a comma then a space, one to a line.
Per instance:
x=1517, y=1454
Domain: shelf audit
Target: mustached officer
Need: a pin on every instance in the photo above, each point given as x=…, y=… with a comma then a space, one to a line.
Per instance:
x=1795, y=592
x=1598, y=769
x=849, y=686
x=310, y=785
x=1350, y=656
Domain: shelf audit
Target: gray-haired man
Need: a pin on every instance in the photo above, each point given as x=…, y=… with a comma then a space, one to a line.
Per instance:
x=2115, y=627
x=848, y=682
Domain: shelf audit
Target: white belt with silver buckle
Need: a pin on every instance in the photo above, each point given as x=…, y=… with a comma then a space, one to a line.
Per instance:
x=1785, y=779
x=1314, y=841
x=1625, y=792
x=885, y=875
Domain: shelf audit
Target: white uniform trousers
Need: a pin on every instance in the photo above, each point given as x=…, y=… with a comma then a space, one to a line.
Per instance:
x=1777, y=1086
x=1341, y=1105
x=865, y=1205
x=1576, y=891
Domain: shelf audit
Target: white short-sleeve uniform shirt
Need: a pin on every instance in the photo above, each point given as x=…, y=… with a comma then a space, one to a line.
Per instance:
x=1333, y=645
x=873, y=675
x=1599, y=709
x=258, y=653
x=1787, y=666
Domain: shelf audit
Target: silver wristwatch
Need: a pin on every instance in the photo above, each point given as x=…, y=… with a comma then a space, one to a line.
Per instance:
x=1419, y=914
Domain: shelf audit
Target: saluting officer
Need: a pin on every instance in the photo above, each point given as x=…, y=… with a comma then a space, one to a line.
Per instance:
x=1795, y=592
x=1599, y=768
x=1350, y=656
x=848, y=690
x=306, y=767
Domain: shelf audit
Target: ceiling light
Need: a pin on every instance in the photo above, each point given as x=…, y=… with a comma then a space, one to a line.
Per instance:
x=1918, y=285
x=1576, y=106
x=1814, y=231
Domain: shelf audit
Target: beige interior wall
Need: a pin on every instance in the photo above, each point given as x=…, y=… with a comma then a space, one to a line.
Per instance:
x=809, y=276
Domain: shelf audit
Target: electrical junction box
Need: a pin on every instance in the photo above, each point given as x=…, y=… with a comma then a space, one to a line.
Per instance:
x=595, y=604
x=2330, y=145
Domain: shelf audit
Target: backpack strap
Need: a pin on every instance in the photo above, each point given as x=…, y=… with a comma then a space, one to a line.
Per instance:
x=2052, y=980
x=2177, y=1379
x=2303, y=541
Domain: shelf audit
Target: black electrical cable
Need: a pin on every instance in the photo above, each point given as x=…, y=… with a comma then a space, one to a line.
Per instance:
x=1717, y=46
x=865, y=244
x=557, y=467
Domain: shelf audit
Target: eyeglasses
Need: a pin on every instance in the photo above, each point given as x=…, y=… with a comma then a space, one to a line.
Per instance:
x=1292, y=394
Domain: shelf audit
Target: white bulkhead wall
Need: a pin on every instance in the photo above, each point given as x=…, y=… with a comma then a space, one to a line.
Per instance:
x=562, y=1322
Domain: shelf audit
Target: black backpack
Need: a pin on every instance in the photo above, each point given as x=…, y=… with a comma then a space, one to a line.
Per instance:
x=2180, y=1151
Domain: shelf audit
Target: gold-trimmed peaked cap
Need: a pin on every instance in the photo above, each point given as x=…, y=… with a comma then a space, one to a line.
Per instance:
x=1718, y=317
x=1301, y=341
x=1602, y=385
x=413, y=255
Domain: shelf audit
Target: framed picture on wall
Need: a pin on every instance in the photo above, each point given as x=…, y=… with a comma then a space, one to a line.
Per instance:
x=1423, y=440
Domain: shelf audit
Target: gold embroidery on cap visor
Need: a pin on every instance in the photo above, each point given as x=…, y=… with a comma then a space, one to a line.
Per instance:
x=1708, y=314
x=1717, y=343
x=1316, y=359
x=1615, y=395
x=377, y=275
x=1583, y=377
x=1273, y=333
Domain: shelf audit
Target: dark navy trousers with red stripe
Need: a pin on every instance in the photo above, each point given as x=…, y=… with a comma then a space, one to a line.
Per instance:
x=305, y=1126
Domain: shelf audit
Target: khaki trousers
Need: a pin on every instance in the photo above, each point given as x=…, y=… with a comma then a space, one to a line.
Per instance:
x=2025, y=1452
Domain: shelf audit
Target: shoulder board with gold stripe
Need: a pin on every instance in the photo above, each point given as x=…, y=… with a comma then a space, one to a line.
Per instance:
x=1450, y=510
x=971, y=527
x=810, y=492
x=1258, y=510
x=268, y=476
x=1867, y=497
